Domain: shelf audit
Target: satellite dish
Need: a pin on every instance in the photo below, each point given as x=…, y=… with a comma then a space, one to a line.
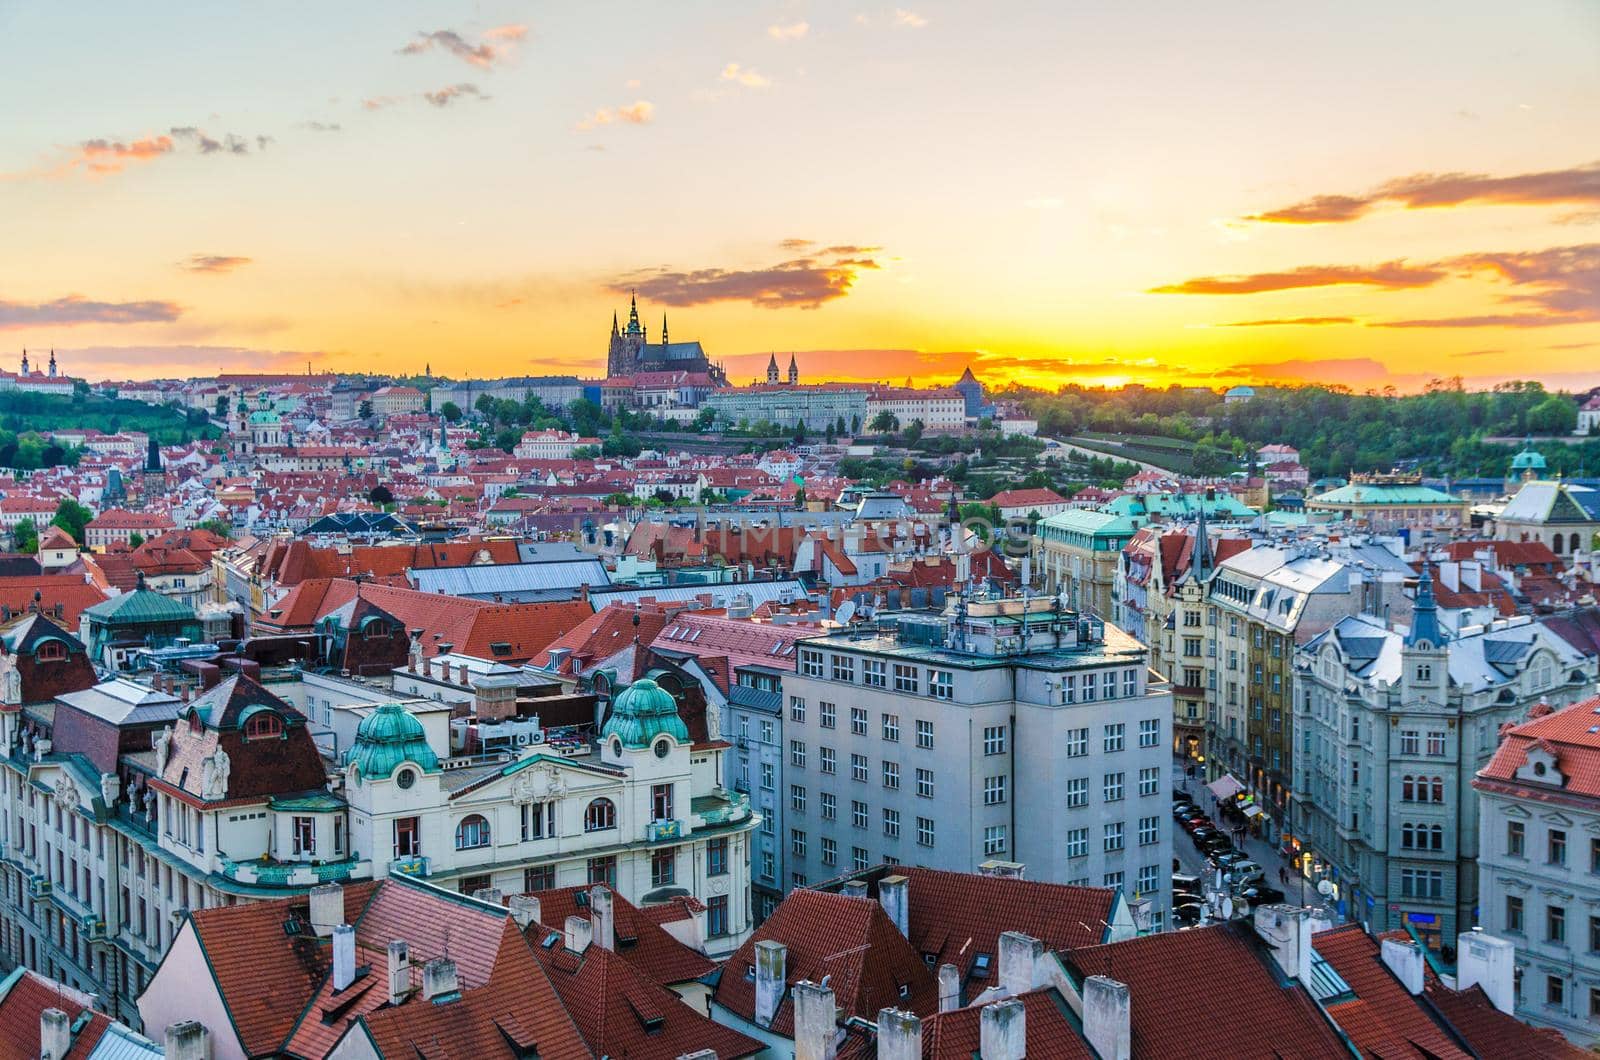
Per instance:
x=1325, y=888
x=846, y=612
x=1227, y=908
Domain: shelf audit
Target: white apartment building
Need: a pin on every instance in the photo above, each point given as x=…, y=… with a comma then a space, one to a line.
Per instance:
x=1001, y=729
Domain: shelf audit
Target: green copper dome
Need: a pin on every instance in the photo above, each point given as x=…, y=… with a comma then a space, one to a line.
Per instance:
x=1529, y=459
x=641, y=712
x=387, y=737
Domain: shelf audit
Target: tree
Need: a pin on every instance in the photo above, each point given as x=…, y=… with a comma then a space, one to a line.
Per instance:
x=585, y=452
x=25, y=536
x=135, y=539
x=830, y=435
x=913, y=433
x=1556, y=414
x=72, y=517
x=365, y=410
x=506, y=438
x=705, y=419
x=220, y=527
x=885, y=422
x=800, y=432
x=380, y=495
x=222, y=405
x=800, y=498
x=451, y=412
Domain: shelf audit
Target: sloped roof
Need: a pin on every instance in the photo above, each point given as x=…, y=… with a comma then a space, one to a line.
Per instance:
x=851, y=941
x=1492, y=1033
x=1247, y=1014
x=24, y=995
x=1052, y=1032
x=1384, y=1018
x=141, y=606
x=640, y=940
x=1571, y=733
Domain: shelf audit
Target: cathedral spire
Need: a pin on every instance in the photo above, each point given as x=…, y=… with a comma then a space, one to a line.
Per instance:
x=633, y=315
x=614, y=326
x=663, y=329
x=772, y=368
x=794, y=370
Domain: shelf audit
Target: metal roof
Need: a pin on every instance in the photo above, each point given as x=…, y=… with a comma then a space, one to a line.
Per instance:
x=120, y=1043
x=721, y=595
x=514, y=582
x=124, y=702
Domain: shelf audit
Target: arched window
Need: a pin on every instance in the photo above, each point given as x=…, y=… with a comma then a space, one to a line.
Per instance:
x=1438, y=789
x=472, y=832
x=263, y=726
x=1436, y=837
x=600, y=815
x=1573, y=547
x=1555, y=544
x=1408, y=788
x=50, y=651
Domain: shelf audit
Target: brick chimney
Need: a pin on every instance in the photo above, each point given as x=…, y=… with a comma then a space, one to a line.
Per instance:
x=439, y=978
x=188, y=1040
x=55, y=1034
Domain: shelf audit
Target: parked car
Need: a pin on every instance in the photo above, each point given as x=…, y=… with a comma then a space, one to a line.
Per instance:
x=1183, y=883
x=1194, y=824
x=1216, y=844
x=1261, y=895
x=1180, y=810
x=1202, y=835
x=1188, y=912
x=1248, y=870
x=1227, y=861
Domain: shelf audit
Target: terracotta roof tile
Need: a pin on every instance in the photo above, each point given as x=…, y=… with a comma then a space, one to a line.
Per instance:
x=1492, y=1033
x=640, y=940
x=1385, y=1020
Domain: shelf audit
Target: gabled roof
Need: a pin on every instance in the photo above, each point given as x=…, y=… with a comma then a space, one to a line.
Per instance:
x=24, y=995
x=1492, y=1033
x=1383, y=1018
x=1053, y=1033
x=1571, y=734
x=1248, y=1013
x=851, y=941
x=640, y=940
x=622, y=1012
x=142, y=606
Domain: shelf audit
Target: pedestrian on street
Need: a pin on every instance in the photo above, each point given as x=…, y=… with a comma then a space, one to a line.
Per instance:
x=1283, y=875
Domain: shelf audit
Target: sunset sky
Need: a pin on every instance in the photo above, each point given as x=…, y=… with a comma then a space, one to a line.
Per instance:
x=1364, y=193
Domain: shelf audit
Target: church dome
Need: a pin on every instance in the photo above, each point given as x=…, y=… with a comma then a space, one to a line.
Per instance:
x=1530, y=459
x=387, y=737
x=641, y=712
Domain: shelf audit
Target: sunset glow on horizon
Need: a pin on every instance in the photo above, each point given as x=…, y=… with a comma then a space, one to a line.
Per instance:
x=1203, y=195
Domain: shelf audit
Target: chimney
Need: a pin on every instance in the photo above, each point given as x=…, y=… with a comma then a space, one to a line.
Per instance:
x=949, y=988
x=188, y=1040
x=344, y=956
x=1003, y=1031
x=55, y=1034
x=1018, y=955
x=524, y=910
x=1286, y=930
x=602, y=917
x=772, y=961
x=894, y=894
x=580, y=932
x=1108, y=1017
x=854, y=889
x=491, y=895
x=816, y=1032
x=1404, y=959
x=439, y=979
x=327, y=908
x=399, y=971
x=1487, y=962
x=899, y=1035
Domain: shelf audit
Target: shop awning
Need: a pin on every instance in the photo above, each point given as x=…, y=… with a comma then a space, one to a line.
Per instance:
x=1253, y=810
x=1225, y=786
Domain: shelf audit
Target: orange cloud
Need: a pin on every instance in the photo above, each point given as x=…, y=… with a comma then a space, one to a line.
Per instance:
x=1391, y=275
x=1578, y=184
x=803, y=283
x=494, y=46
x=75, y=309
x=213, y=263
x=111, y=156
x=639, y=112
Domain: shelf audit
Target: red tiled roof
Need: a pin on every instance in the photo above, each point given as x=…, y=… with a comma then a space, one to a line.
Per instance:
x=1572, y=734
x=957, y=915
x=621, y=1012
x=1384, y=1020
x=640, y=940
x=69, y=590
x=22, y=1005
x=1023, y=498
x=1507, y=553
x=1177, y=1011
x=605, y=633
x=1492, y=1033
x=849, y=940
x=1051, y=1034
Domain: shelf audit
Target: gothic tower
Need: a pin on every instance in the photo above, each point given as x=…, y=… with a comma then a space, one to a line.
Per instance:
x=794, y=371
x=772, y=370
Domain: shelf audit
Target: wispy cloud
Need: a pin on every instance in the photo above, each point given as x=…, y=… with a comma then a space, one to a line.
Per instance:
x=1392, y=275
x=803, y=283
x=449, y=94
x=106, y=155
x=745, y=76
x=493, y=45
x=908, y=19
x=213, y=263
x=379, y=102
x=789, y=30
x=112, y=156
x=796, y=244
x=639, y=112
x=1286, y=321
x=321, y=126
x=1540, y=288
x=75, y=309
x=1578, y=184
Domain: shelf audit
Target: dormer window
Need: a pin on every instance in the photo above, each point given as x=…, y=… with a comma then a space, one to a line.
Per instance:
x=50, y=651
x=263, y=726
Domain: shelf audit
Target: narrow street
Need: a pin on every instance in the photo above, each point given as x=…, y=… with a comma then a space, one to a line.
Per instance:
x=1279, y=873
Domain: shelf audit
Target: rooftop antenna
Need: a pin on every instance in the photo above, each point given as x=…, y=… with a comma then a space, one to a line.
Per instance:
x=1027, y=598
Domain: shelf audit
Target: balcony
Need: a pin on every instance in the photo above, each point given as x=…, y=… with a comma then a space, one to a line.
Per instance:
x=413, y=866
x=266, y=872
x=718, y=809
